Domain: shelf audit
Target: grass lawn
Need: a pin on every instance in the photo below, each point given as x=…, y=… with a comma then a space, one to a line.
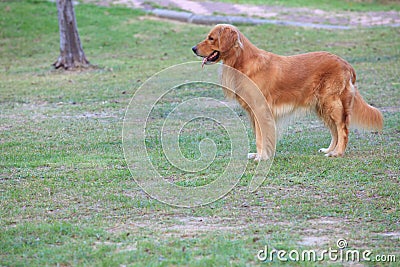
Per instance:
x=68, y=198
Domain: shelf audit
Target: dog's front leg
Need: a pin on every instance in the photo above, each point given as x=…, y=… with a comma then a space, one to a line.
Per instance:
x=261, y=153
x=264, y=128
x=262, y=121
x=261, y=142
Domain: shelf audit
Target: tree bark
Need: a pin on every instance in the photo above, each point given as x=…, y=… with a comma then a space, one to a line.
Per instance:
x=71, y=52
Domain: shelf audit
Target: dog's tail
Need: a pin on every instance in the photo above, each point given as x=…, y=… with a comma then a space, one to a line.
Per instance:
x=364, y=115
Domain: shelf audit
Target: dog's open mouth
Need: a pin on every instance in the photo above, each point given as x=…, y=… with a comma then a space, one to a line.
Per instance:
x=211, y=58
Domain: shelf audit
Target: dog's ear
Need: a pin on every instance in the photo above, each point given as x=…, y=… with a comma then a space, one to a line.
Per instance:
x=229, y=37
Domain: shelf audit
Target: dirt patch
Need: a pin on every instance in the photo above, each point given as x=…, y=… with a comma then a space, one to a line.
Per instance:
x=394, y=235
x=317, y=233
x=178, y=224
x=320, y=232
x=314, y=241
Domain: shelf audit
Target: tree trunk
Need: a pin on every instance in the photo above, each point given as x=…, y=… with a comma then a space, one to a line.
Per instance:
x=71, y=52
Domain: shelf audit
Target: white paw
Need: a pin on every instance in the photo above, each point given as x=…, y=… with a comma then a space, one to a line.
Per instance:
x=261, y=157
x=333, y=154
x=323, y=150
x=251, y=155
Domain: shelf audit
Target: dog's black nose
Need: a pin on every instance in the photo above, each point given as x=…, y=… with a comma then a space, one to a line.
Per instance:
x=194, y=49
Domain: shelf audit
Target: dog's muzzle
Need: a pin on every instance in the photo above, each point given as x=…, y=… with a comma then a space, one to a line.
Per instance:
x=214, y=56
x=194, y=49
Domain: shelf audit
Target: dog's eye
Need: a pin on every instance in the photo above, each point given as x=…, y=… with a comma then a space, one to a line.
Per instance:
x=210, y=38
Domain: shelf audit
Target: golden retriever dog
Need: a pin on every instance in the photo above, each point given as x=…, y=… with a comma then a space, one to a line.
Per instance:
x=316, y=81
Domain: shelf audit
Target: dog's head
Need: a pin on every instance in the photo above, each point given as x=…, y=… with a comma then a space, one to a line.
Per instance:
x=220, y=42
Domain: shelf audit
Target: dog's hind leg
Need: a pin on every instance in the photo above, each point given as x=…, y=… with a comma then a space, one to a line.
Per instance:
x=340, y=114
x=331, y=111
x=334, y=140
x=341, y=120
x=323, y=111
x=343, y=138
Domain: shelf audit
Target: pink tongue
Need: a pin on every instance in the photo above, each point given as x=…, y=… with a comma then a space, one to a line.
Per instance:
x=204, y=62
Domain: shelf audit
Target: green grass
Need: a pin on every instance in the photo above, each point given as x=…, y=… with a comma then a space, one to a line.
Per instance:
x=66, y=193
x=329, y=5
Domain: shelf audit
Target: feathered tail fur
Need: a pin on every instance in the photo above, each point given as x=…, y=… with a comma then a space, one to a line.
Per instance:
x=365, y=116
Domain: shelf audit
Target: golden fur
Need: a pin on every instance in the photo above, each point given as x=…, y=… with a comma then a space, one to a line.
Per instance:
x=317, y=81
